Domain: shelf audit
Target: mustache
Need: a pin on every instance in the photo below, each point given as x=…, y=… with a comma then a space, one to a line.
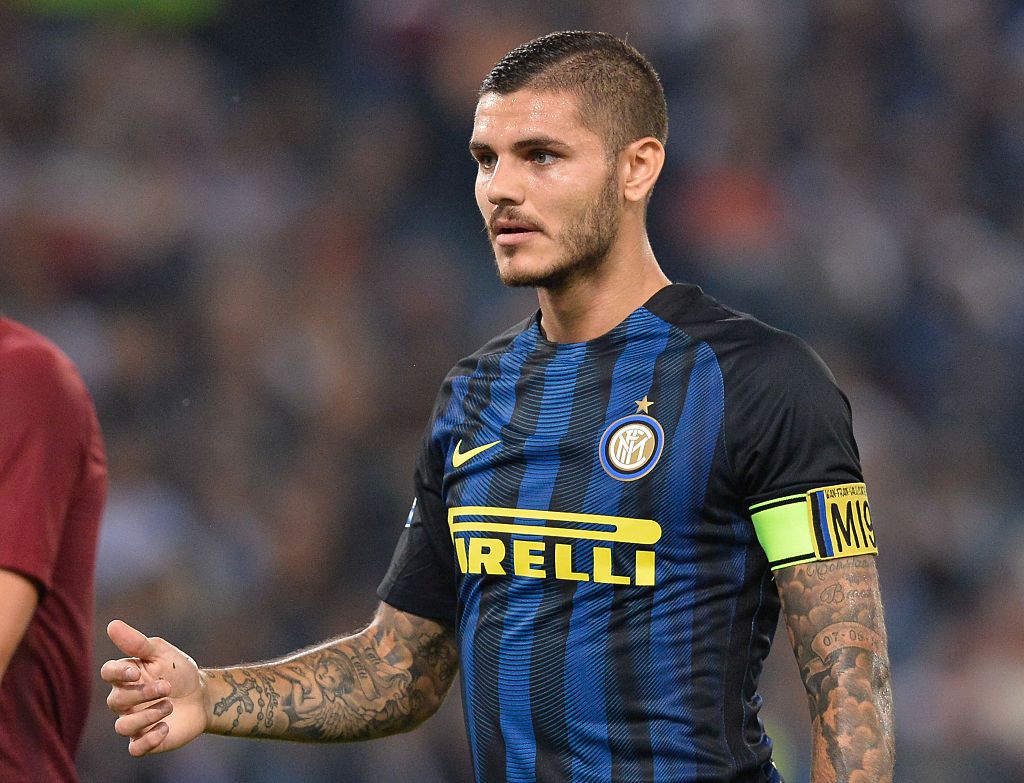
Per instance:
x=513, y=215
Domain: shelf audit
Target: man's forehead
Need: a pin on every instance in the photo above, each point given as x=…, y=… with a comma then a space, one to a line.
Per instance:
x=529, y=112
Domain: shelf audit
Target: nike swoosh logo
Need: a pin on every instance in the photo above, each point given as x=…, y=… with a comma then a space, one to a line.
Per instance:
x=460, y=457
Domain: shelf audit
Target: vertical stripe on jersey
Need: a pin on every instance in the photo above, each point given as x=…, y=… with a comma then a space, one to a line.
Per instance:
x=692, y=449
x=488, y=386
x=520, y=372
x=525, y=594
x=591, y=702
x=729, y=672
x=638, y=653
x=468, y=609
x=548, y=681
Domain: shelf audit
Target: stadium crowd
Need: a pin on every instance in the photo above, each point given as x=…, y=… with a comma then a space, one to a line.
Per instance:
x=255, y=234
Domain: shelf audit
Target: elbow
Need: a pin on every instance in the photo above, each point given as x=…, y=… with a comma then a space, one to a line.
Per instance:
x=425, y=699
x=424, y=696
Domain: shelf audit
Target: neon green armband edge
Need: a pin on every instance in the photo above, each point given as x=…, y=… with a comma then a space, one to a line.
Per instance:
x=823, y=524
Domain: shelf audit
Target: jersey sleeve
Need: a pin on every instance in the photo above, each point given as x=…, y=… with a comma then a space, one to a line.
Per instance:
x=42, y=410
x=791, y=443
x=422, y=578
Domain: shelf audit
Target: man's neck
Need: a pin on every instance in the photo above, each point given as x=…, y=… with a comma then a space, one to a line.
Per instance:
x=593, y=305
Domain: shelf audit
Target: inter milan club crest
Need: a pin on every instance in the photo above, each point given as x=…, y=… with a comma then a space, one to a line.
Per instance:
x=631, y=446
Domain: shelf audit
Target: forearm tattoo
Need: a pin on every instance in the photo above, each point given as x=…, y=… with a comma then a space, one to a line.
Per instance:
x=387, y=679
x=835, y=622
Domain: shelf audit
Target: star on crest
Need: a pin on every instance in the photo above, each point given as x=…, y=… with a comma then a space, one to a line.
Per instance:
x=644, y=405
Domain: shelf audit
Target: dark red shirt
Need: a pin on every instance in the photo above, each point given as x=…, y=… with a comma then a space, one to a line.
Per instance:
x=53, y=482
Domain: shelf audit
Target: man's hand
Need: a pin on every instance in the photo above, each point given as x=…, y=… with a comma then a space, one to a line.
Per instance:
x=158, y=693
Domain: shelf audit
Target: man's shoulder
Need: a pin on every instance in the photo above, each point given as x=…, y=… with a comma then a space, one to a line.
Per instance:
x=33, y=369
x=21, y=344
x=746, y=347
x=486, y=358
x=706, y=319
x=513, y=337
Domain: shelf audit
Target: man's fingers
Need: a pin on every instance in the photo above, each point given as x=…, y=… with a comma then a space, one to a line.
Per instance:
x=134, y=724
x=130, y=641
x=149, y=740
x=124, y=698
x=120, y=671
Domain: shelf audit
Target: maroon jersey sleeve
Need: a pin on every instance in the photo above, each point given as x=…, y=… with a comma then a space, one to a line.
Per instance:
x=43, y=429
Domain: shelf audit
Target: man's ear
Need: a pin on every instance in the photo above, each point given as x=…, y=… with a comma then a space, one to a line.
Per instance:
x=641, y=163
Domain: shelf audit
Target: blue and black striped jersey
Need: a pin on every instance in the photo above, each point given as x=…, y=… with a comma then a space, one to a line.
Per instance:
x=582, y=517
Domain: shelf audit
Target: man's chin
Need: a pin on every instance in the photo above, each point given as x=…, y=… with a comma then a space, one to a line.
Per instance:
x=518, y=276
x=554, y=276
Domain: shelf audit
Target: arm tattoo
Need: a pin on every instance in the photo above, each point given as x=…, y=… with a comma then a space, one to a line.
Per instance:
x=386, y=679
x=834, y=618
x=239, y=701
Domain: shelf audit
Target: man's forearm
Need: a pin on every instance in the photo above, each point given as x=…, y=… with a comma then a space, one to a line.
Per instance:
x=836, y=626
x=851, y=721
x=387, y=679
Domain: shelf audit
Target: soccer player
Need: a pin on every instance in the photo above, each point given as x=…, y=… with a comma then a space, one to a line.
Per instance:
x=611, y=501
x=53, y=483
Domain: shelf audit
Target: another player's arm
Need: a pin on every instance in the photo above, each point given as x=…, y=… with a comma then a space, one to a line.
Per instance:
x=834, y=618
x=18, y=600
x=386, y=679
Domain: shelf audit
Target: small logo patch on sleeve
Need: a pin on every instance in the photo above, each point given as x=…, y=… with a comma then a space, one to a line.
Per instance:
x=840, y=518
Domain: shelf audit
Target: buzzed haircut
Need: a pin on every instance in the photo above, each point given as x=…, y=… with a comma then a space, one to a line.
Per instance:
x=621, y=97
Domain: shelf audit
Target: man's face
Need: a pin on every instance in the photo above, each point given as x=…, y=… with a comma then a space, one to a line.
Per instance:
x=545, y=186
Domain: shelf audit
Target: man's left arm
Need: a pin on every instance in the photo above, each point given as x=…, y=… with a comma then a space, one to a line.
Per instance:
x=18, y=599
x=833, y=611
x=43, y=410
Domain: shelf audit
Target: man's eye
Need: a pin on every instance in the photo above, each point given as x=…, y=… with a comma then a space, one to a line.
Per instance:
x=486, y=161
x=543, y=158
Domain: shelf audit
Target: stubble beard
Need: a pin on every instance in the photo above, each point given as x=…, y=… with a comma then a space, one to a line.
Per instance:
x=586, y=242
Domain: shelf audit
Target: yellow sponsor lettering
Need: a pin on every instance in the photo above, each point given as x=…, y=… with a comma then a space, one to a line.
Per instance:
x=643, y=532
x=575, y=538
x=603, y=568
x=479, y=555
x=485, y=556
x=644, y=567
x=563, y=565
x=525, y=558
x=460, y=554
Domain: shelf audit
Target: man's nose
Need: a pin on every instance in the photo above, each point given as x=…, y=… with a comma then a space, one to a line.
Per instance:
x=505, y=184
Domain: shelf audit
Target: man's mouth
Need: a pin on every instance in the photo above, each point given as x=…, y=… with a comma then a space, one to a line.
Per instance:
x=513, y=232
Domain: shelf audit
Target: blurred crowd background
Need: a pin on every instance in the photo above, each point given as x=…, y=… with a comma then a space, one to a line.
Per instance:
x=251, y=225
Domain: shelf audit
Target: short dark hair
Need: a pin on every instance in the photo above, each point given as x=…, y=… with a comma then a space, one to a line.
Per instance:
x=621, y=97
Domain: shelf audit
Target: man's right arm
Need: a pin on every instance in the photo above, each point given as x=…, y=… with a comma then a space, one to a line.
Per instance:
x=386, y=679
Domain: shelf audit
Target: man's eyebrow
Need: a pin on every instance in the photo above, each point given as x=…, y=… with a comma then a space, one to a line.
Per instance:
x=538, y=141
x=531, y=143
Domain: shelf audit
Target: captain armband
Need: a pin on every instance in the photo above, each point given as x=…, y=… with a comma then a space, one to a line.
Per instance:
x=823, y=524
